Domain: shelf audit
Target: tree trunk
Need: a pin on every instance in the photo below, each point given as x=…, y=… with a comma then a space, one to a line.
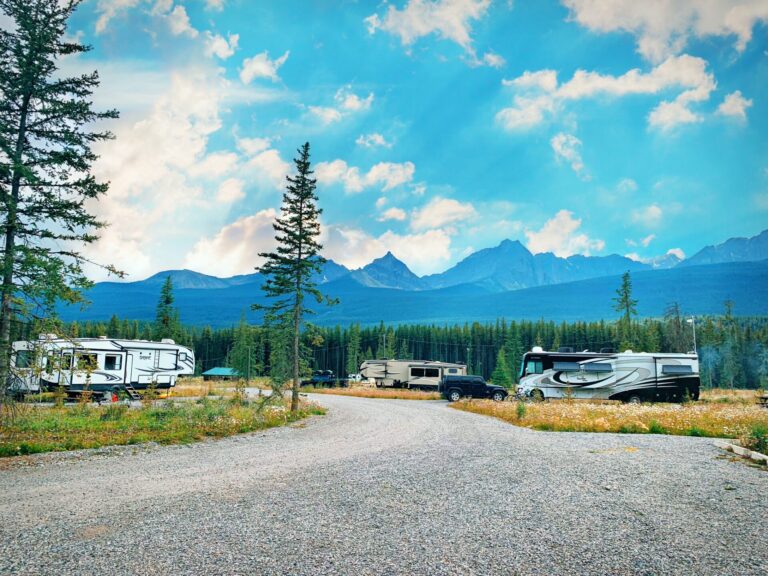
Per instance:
x=295, y=395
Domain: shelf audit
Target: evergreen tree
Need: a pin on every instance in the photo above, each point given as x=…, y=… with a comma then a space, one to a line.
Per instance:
x=501, y=376
x=353, y=350
x=167, y=323
x=242, y=356
x=627, y=306
x=46, y=134
x=290, y=269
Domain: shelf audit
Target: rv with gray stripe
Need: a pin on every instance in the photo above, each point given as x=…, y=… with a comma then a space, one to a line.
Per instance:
x=626, y=376
x=102, y=365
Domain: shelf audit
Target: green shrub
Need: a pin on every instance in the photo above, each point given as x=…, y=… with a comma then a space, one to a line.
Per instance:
x=521, y=410
x=113, y=412
x=756, y=438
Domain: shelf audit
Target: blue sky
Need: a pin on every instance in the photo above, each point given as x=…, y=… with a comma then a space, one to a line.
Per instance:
x=436, y=128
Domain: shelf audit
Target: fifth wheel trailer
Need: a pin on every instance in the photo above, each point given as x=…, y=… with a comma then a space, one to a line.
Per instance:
x=100, y=365
x=423, y=374
x=627, y=376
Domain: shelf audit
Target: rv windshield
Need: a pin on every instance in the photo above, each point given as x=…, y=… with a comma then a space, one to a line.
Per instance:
x=534, y=367
x=23, y=358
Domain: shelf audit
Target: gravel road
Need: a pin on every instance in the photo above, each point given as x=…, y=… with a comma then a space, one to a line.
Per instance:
x=388, y=487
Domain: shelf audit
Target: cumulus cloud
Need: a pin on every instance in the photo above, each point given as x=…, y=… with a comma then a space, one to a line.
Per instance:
x=234, y=249
x=648, y=216
x=539, y=95
x=566, y=147
x=424, y=253
x=231, y=190
x=560, y=236
x=676, y=252
x=260, y=66
x=252, y=146
x=448, y=19
x=326, y=114
x=393, y=214
x=178, y=21
x=440, y=212
x=217, y=45
x=109, y=9
x=735, y=105
x=665, y=28
x=388, y=175
x=372, y=140
x=626, y=185
x=347, y=102
x=270, y=167
x=647, y=240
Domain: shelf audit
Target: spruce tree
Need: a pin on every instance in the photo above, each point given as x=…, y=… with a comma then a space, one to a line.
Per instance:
x=500, y=376
x=627, y=306
x=242, y=356
x=353, y=350
x=291, y=269
x=46, y=134
x=167, y=324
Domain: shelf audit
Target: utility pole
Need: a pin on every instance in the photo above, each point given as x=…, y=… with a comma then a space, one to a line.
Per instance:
x=692, y=322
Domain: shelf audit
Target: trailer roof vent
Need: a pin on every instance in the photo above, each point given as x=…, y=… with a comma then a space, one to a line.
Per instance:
x=167, y=341
x=102, y=337
x=628, y=352
x=537, y=349
x=47, y=337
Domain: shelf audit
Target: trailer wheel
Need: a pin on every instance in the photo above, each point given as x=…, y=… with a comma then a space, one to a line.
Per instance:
x=537, y=395
x=454, y=395
x=634, y=399
x=497, y=396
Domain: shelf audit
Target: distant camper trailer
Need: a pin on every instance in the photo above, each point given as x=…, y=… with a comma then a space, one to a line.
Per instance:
x=100, y=365
x=422, y=374
x=626, y=376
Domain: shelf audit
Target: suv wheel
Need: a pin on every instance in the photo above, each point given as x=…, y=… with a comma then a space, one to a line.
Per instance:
x=454, y=396
x=498, y=396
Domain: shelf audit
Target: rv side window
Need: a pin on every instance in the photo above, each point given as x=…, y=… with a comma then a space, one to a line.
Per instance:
x=66, y=361
x=417, y=372
x=452, y=371
x=113, y=362
x=182, y=356
x=534, y=367
x=432, y=373
x=87, y=361
x=23, y=358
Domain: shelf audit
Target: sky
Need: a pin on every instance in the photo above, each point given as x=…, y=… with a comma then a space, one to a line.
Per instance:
x=437, y=128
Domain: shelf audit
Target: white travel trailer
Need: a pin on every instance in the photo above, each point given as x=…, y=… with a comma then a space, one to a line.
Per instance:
x=627, y=376
x=101, y=365
x=424, y=374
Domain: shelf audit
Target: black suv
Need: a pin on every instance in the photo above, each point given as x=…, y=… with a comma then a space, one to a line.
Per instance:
x=455, y=387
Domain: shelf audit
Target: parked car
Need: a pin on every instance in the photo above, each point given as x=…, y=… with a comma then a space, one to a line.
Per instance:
x=325, y=378
x=454, y=388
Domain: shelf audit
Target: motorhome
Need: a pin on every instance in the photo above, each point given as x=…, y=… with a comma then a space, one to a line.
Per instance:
x=422, y=374
x=626, y=376
x=101, y=365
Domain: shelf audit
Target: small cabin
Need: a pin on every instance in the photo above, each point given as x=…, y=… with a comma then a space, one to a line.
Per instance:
x=221, y=374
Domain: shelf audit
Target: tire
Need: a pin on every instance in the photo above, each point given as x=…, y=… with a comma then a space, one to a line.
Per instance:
x=454, y=396
x=537, y=395
x=497, y=396
x=378, y=384
x=634, y=399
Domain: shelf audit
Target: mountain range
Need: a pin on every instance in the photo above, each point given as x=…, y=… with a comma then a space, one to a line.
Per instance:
x=506, y=280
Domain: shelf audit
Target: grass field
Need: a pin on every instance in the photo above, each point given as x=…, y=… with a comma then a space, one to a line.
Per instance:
x=743, y=420
x=364, y=392
x=44, y=429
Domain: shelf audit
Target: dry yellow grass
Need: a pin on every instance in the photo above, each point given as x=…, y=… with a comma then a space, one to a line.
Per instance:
x=198, y=388
x=717, y=420
x=364, y=392
x=731, y=396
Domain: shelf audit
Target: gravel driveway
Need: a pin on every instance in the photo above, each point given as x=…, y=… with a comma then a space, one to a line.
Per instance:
x=388, y=487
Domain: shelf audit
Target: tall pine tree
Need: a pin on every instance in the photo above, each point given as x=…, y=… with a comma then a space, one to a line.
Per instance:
x=167, y=324
x=46, y=134
x=290, y=270
x=627, y=307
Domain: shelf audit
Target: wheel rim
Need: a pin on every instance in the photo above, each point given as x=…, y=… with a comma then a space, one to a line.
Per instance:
x=497, y=397
x=455, y=396
x=635, y=400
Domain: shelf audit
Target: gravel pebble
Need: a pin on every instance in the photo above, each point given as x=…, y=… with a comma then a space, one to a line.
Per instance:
x=388, y=487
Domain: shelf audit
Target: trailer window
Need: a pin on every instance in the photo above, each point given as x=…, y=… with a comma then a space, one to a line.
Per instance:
x=113, y=362
x=534, y=367
x=675, y=369
x=23, y=358
x=87, y=361
x=567, y=366
x=182, y=356
x=432, y=372
x=417, y=372
x=66, y=361
x=453, y=370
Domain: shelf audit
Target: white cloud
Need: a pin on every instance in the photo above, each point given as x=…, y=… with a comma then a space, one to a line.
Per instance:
x=393, y=214
x=230, y=191
x=270, y=167
x=223, y=48
x=663, y=28
x=566, y=147
x=260, y=66
x=424, y=253
x=626, y=185
x=381, y=202
x=386, y=174
x=449, y=19
x=539, y=94
x=372, y=140
x=677, y=252
x=178, y=21
x=252, y=146
x=440, y=212
x=735, y=105
x=326, y=115
x=649, y=216
x=647, y=240
x=217, y=5
x=559, y=235
x=215, y=165
x=350, y=101
x=234, y=249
